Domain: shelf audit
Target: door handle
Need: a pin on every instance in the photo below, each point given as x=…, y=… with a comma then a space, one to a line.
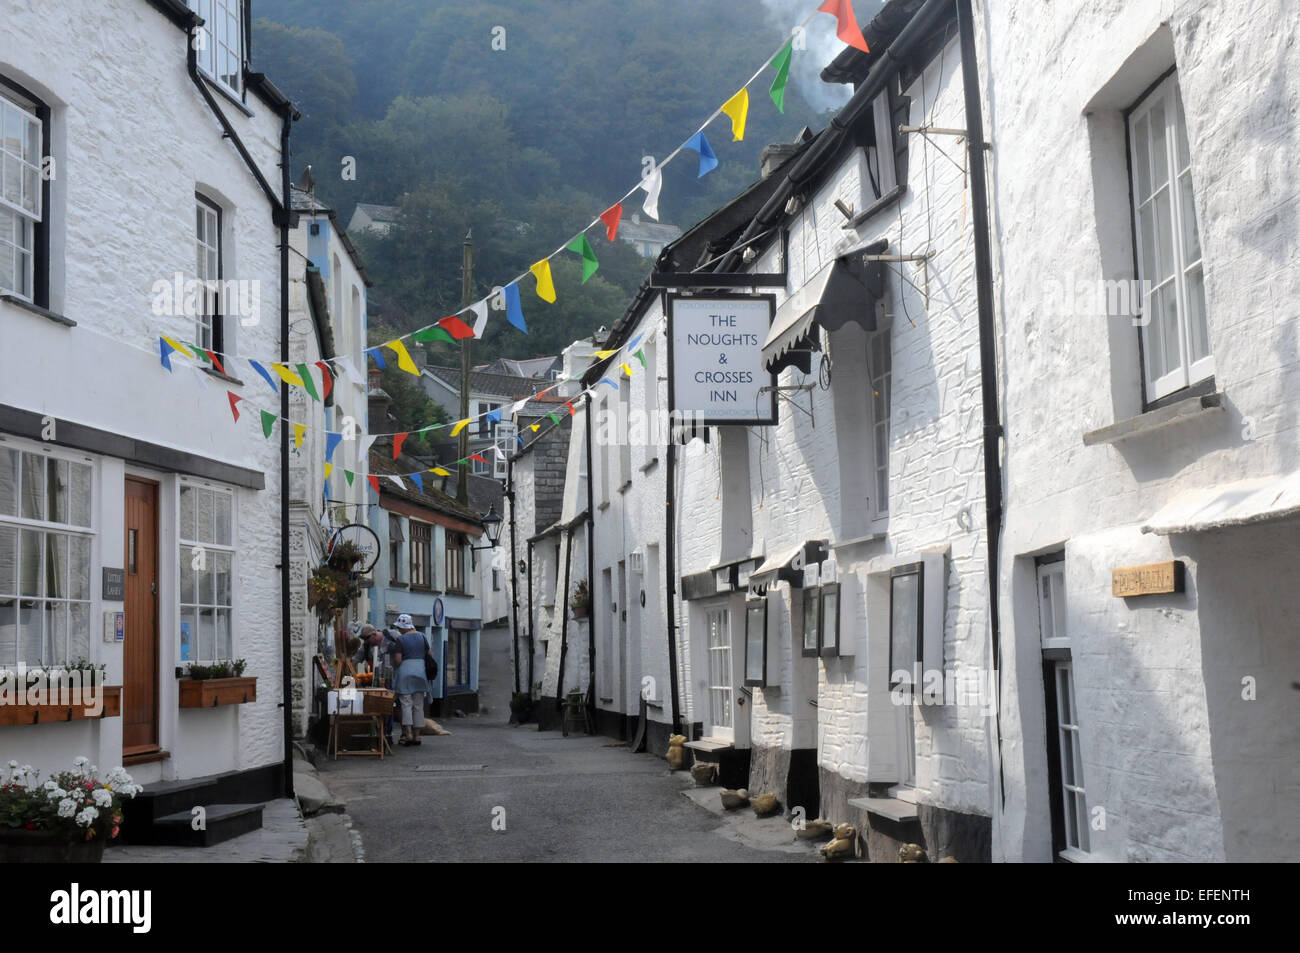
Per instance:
x=153, y=587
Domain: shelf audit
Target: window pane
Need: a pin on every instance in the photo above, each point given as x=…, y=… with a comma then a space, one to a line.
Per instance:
x=1159, y=147
x=205, y=577
x=8, y=563
x=31, y=553
x=56, y=490
x=187, y=575
x=30, y=633
x=1187, y=210
x=8, y=631
x=56, y=633
x=1164, y=237
x=9, y=481
x=1165, y=306
x=221, y=578
x=1071, y=821
x=223, y=646
x=223, y=519
x=205, y=509
x=79, y=567
x=207, y=636
x=56, y=565
x=1197, y=329
x=1067, y=757
x=79, y=631
x=33, y=487
x=189, y=633
x=904, y=609
x=79, y=494
x=1184, y=152
x=187, y=513
x=12, y=188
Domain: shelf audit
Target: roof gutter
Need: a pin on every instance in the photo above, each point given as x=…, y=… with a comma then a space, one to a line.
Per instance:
x=823, y=152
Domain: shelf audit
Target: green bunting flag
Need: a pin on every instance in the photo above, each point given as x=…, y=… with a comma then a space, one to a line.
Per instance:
x=581, y=246
x=268, y=423
x=554, y=418
x=782, y=66
x=432, y=334
x=349, y=474
x=308, y=384
x=640, y=356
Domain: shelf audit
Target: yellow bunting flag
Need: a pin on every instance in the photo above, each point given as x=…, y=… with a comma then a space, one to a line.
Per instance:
x=601, y=355
x=627, y=370
x=439, y=471
x=299, y=430
x=533, y=427
x=176, y=345
x=288, y=376
x=737, y=107
x=329, y=468
x=460, y=425
x=403, y=357
x=545, y=287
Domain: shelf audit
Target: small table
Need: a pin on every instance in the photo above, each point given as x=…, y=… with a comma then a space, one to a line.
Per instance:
x=376, y=735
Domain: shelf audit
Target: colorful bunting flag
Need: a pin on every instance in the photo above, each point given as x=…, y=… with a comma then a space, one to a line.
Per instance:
x=398, y=440
x=582, y=247
x=177, y=346
x=631, y=345
x=652, y=185
x=553, y=418
x=534, y=427
x=627, y=370
x=737, y=109
x=164, y=351
x=299, y=431
x=708, y=161
x=601, y=355
x=349, y=475
x=846, y=25
x=514, y=310
x=329, y=468
x=268, y=423
x=569, y=405
x=545, y=286
x=398, y=480
x=494, y=416
x=403, y=357
x=611, y=217
x=379, y=358
x=417, y=480
x=308, y=384
x=234, y=399
x=460, y=425
x=265, y=375
x=439, y=471
x=609, y=381
x=286, y=375
x=212, y=356
x=374, y=482
x=326, y=378
x=480, y=311
x=457, y=328
x=431, y=334
x=782, y=66
x=640, y=356
x=475, y=456
x=331, y=444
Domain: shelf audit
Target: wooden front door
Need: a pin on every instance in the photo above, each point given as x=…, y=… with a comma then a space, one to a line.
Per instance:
x=140, y=557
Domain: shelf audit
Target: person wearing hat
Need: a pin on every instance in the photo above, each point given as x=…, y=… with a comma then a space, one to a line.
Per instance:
x=409, y=680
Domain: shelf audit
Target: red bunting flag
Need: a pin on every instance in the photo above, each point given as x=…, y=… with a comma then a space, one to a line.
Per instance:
x=846, y=25
x=326, y=378
x=215, y=362
x=475, y=456
x=398, y=440
x=457, y=328
x=374, y=482
x=611, y=217
x=234, y=399
x=569, y=404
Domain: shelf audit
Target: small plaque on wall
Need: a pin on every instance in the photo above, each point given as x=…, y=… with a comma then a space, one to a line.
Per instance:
x=113, y=588
x=1148, y=580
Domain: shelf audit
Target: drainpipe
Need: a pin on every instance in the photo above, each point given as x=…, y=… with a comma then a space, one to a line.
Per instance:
x=564, y=617
x=591, y=575
x=988, y=350
x=514, y=573
x=670, y=559
x=531, y=650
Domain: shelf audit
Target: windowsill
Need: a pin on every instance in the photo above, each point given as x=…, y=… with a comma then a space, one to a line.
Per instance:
x=859, y=540
x=879, y=205
x=650, y=465
x=710, y=745
x=456, y=592
x=428, y=589
x=224, y=377
x=893, y=808
x=1072, y=855
x=395, y=584
x=1153, y=420
x=36, y=309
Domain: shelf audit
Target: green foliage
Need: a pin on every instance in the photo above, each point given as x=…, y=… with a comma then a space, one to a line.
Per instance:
x=523, y=146
x=223, y=669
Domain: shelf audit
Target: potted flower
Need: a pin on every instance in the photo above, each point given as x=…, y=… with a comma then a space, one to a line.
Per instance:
x=72, y=692
x=333, y=584
x=69, y=818
x=580, y=601
x=221, y=683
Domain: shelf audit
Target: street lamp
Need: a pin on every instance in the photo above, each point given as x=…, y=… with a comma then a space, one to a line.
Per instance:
x=491, y=528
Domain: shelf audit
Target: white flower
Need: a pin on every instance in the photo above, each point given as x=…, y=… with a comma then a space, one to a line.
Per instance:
x=117, y=778
x=13, y=764
x=79, y=760
x=56, y=793
x=85, y=818
x=67, y=807
x=103, y=798
x=51, y=785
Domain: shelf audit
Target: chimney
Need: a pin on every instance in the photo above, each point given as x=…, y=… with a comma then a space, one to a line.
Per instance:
x=773, y=156
x=377, y=405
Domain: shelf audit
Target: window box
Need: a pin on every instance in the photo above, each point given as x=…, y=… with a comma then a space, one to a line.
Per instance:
x=45, y=714
x=213, y=692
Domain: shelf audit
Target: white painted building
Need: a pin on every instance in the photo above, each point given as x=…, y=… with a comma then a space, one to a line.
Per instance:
x=1172, y=437
x=107, y=461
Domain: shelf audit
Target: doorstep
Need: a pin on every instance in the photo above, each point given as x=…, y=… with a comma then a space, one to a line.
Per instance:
x=710, y=745
x=895, y=809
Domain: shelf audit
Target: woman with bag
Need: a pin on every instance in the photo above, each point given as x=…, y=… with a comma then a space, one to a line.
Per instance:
x=410, y=681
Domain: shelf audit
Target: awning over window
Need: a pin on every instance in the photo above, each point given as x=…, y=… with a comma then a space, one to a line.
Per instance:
x=788, y=566
x=1236, y=504
x=845, y=290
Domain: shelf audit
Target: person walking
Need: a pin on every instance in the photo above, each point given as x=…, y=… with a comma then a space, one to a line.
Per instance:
x=409, y=680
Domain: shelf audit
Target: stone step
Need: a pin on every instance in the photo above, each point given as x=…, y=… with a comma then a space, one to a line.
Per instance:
x=221, y=823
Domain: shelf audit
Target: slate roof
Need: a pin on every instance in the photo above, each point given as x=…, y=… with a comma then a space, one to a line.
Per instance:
x=382, y=465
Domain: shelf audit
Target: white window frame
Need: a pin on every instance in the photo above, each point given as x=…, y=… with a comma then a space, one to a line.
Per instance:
x=223, y=41
x=1074, y=799
x=880, y=380
x=719, y=647
x=47, y=528
x=1051, y=605
x=212, y=549
x=209, y=270
x=882, y=160
x=1181, y=279
x=22, y=190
